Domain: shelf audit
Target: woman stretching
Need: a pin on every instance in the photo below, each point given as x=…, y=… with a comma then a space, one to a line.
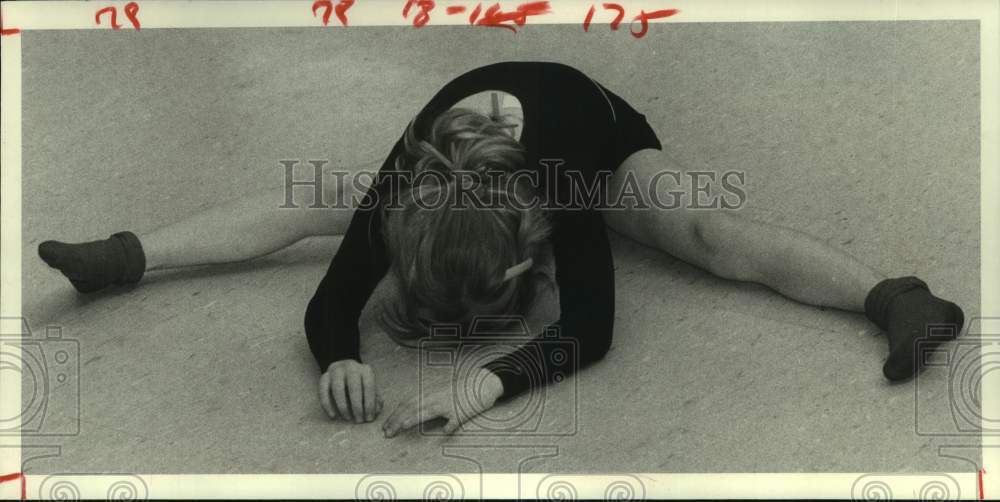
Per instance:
x=512, y=181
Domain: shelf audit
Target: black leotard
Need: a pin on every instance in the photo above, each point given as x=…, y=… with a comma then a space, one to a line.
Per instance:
x=567, y=117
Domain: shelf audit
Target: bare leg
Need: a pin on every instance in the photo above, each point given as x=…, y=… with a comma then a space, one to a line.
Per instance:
x=240, y=230
x=237, y=231
x=791, y=262
x=734, y=247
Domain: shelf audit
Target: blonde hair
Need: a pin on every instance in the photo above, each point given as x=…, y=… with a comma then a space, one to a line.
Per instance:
x=453, y=261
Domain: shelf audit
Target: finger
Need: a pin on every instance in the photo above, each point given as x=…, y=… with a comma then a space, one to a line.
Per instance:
x=324, y=395
x=339, y=394
x=378, y=400
x=391, y=425
x=417, y=416
x=368, y=383
x=453, y=424
x=356, y=396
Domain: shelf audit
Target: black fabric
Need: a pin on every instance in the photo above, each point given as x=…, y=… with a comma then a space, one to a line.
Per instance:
x=878, y=299
x=567, y=117
x=915, y=321
x=92, y=266
x=135, y=258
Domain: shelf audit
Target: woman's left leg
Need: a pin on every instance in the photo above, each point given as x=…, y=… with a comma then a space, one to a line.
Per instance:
x=797, y=265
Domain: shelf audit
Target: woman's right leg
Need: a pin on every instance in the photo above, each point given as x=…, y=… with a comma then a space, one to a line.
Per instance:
x=240, y=230
x=237, y=231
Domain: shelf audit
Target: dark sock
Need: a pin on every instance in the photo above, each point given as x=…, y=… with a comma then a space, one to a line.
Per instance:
x=909, y=313
x=91, y=266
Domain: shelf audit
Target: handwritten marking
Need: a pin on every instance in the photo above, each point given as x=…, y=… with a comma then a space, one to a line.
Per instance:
x=455, y=9
x=114, y=17
x=644, y=18
x=17, y=475
x=7, y=31
x=327, y=6
x=519, y=16
x=982, y=494
x=422, y=17
x=131, y=12
x=340, y=10
x=586, y=20
x=618, y=18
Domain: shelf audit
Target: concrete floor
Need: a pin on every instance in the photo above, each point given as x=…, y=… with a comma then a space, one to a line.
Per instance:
x=865, y=134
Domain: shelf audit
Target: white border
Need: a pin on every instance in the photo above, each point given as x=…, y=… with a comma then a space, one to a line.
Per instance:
x=30, y=16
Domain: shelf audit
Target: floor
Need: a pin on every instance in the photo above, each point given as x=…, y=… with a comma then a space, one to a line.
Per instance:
x=863, y=134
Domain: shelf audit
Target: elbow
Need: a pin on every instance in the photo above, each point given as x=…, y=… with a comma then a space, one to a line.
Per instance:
x=599, y=346
x=599, y=352
x=311, y=312
x=315, y=313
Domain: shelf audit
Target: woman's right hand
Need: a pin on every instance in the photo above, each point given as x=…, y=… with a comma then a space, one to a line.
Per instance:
x=347, y=390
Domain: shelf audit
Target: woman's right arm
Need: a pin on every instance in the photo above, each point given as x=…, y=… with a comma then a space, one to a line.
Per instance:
x=331, y=322
x=359, y=264
x=347, y=387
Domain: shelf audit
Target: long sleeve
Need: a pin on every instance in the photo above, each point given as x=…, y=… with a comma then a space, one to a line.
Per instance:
x=585, y=275
x=331, y=321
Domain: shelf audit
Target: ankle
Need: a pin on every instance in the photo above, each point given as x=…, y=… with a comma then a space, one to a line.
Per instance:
x=881, y=298
x=135, y=258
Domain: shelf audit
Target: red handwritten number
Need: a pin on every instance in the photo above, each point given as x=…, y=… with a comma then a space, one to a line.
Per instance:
x=16, y=475
x=114, y=17
x=8, y=31
x=982, y=494
x=618, y=18
x=340, y=9
x=644, y=18
x=475, y=13
x=607, y=6
x=327, y=6
x=586, y=20
x=422, y=17
x=131, y=12
x=497, y=18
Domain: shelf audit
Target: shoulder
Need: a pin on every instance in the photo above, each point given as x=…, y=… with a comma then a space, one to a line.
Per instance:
x=544, y=69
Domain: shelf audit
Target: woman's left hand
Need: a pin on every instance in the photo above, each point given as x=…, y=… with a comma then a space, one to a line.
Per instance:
x=443, y=403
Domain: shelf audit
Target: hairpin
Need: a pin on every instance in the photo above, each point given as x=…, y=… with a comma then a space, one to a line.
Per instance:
x=518, y=269
x=495, y=105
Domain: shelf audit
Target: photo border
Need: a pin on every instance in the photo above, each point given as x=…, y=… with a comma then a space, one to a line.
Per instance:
x=60, y=15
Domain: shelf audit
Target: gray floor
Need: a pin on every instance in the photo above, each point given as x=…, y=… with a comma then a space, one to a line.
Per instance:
x=865, y=134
